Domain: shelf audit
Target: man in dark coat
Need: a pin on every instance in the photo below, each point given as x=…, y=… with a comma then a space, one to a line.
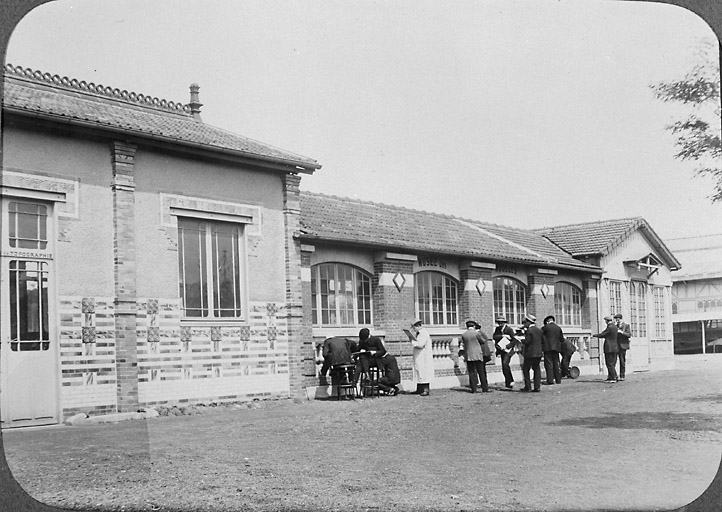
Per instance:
x=475, y=348
x=568, y=349
x=336, y=351
x=371, y=349
x=504, y=335
x=532, y=353
x=610, y=347
x=390, y=374
x=552, y=345
x=623, y=334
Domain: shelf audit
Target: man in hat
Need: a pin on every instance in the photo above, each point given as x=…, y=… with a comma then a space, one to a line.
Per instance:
x=552, y=345
x=624, y=332
x=610, y=347
x=504, y=336
x=532, y=353
x=422, y=358
x=475, y=349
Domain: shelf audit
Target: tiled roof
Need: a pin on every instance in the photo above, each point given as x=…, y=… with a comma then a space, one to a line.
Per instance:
x=701, y=257
x=77, y=102
x=350, y=221
x=591, y=238
x=600, y=237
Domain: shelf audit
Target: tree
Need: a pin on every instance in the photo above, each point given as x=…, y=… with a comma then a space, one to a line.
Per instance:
x=698, y=135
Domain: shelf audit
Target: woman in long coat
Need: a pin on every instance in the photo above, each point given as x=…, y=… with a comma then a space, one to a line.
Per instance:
x=423, y=359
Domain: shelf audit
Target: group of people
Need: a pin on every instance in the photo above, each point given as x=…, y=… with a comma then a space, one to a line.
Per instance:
x=616, y=343
x=367, y=353
x=531, y=344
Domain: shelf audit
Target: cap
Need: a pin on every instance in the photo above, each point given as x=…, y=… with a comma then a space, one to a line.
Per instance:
x=618, y=315
x=530, y=318
x=500, y=319
x=417, y=323
x=608, y=318
x=470, y=323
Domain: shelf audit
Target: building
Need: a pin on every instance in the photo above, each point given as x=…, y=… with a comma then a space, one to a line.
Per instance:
x=381, y=266
x=637, y=282
x=146, y=257
x=697, y=294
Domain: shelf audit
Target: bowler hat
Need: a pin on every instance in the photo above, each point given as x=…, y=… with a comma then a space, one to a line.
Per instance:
x=618, y=315
x=550, y=317
x=500, y=319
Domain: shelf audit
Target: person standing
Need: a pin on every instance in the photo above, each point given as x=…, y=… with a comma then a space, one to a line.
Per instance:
x=552, y=345
x=504, y=336
x=474, y=341
x=422, y=358
x=624, y=333
x=610, y=347
x=532, y=352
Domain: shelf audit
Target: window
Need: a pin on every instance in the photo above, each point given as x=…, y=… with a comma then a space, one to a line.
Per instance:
x=660, y=313
x=211, y=279
x=638, y=309
x=436, y=298
x=568, y=304
x=615, y=297
x=28, y=225
x=509, y=299
x=340, y=295
x=29, y=305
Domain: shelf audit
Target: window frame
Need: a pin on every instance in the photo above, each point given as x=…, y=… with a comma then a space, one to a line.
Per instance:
x=660, y=312
x=638, y=308
x=238, y=224
x=443, y=307
x=574, y=317
x=515, y=317
x=361, y=304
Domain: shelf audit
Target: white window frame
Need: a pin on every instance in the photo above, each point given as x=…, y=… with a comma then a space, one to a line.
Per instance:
x=445, y=308
x=660, y=312
x=638, y=308
x=568, y=312
x=336, y=296
x=240, y=222
x=515, y=316
x=615, y=297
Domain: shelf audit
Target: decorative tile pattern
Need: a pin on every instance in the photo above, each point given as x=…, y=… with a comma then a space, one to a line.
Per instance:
x=153, y=334
x=215, y=333
x=185, y=334
x=88, y=334
x=88, y=305
x=272, y=309
x=246, y=334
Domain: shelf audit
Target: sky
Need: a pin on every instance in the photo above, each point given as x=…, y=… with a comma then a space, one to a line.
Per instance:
x=522, y=113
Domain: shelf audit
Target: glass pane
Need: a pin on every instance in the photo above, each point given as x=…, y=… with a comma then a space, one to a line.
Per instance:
x=192, y=263
x=29, y=303
x=226, y=270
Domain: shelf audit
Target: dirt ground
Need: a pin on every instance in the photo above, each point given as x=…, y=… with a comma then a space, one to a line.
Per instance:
x=653, y=442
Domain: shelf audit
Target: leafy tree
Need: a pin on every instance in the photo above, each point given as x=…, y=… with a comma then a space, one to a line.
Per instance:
x=698, y=135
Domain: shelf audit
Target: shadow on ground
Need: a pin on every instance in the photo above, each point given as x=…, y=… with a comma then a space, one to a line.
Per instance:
x=691, y=422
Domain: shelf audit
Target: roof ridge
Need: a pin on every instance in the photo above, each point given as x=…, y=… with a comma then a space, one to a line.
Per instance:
x=92, y=88
x=607, y=221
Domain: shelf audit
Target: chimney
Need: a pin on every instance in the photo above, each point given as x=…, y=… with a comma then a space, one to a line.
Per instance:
x=195, y=104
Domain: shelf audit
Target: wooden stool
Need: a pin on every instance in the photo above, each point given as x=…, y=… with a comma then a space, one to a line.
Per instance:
x=370, y=382
x=342, y=376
